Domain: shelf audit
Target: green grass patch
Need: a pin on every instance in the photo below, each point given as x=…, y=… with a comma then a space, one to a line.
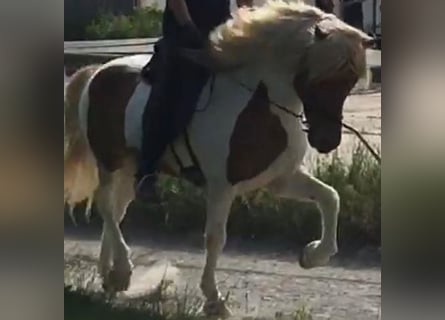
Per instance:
x=261, y=215
x=142, y=23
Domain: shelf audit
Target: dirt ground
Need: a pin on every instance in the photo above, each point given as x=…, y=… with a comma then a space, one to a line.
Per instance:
x=261, y=282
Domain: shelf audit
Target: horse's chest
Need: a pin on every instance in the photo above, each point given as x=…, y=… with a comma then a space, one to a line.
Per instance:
x=257, y=140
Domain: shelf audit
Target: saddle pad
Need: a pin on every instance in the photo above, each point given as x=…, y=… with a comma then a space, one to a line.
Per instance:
x=134, y=113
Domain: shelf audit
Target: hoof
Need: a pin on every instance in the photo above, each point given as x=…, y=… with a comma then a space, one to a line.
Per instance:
x=117, y=281
x=315, y=256
x=217, y=309
x=303, y=262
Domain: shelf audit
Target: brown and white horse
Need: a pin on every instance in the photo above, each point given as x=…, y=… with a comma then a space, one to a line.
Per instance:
x=280, y=54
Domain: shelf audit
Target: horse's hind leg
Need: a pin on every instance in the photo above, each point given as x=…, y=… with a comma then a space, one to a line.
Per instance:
x=219, y=201
x=112, y=198
x=302, y=185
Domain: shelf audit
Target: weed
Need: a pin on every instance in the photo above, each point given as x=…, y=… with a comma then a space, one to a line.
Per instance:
x=143, y=22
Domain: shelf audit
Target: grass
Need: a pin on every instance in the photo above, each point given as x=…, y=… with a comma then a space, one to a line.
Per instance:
x=85, y=300
x=83, y=305
x=143, y=22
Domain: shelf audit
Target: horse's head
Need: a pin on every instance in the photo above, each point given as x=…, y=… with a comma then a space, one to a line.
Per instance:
x=330, y=67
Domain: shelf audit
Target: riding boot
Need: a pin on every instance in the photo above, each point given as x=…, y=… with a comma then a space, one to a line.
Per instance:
x=154, y=145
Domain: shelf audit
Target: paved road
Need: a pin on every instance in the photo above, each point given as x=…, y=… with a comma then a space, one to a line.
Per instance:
x=261, y=284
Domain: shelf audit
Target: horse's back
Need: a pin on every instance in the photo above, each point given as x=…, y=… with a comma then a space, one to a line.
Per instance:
x=137, y=61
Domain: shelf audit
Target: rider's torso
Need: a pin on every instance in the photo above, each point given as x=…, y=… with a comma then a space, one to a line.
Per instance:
x=206, y=14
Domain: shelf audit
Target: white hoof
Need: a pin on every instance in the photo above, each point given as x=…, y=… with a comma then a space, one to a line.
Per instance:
x=118, y=279
x=315, y=255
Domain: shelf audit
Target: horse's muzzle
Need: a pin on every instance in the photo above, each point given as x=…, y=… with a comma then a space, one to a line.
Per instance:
x=324, y=141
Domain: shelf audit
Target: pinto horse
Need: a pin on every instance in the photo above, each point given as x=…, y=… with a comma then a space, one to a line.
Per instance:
x=268, y=61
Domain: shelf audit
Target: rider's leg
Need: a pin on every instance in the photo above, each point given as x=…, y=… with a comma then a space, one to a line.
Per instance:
x=152, y=148
x=156, y=132
x=166, y=117
x=156, y=120
x=194, y=78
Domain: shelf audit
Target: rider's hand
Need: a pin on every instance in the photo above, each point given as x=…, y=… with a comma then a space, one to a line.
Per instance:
x=191, y=37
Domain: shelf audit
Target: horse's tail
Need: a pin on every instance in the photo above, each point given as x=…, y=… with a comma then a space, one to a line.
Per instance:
x=81, y=177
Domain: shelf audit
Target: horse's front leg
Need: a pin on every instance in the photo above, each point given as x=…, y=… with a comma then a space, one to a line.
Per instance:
x=302, y=185
x=219, y=201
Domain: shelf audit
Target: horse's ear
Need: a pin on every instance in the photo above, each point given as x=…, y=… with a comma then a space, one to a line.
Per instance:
x=320, y=34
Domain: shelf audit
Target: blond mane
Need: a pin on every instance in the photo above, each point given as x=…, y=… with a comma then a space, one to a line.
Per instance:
x=282, y=33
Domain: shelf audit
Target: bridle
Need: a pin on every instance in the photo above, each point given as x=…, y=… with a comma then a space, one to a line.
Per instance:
x=303, y=120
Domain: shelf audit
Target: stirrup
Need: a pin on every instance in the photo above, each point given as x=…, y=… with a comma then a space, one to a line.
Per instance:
x=146, y=194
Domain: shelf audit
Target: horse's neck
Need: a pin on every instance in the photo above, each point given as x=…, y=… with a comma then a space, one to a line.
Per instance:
x=279, y=85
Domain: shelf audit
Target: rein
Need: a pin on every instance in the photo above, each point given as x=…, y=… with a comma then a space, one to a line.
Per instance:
x=301, y=117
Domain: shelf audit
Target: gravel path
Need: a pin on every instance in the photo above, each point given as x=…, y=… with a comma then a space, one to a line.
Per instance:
x=260, y=283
